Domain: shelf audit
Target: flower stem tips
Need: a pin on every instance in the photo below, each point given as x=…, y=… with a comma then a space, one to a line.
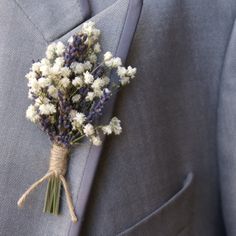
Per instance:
x=69, y=89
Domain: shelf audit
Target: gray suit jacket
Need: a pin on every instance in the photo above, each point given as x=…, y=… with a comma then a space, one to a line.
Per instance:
x=172, y=171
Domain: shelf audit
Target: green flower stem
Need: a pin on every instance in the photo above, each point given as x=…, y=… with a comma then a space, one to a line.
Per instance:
x=78, y=139
x=52, y=197
x=97, y=67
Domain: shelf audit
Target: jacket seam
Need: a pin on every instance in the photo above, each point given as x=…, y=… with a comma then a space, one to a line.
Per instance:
x=29, y=19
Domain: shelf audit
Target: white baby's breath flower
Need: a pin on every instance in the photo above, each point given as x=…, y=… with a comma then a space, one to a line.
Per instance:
x=97, y=83
x=41, y=100
x=31, y=75
x=97, y=48
x=107, y=129
x=88, y=130
x=78, y=120
x=50, y=52
x=45, y=61
x=45, y=69
x=58, y=65
x=52, y=91
x=87, y=65
x=30, y=95
x=126, y=74
x=90, y=96
x=76, y=98
x=113, y=62
x=108, y=56
x=77, y=81
x=60, y=48
x=44, y=82
x=65, y=72
x=88, y=78
x=113, y=127
x=34, y=85
x=65, y=82
x=77, y=67
x=96, y=140
x=52, y=46
x=88, y=27
x=59, y=61
x=47, y=109
x=36, y=67
x=72, y=114
x=106, y=80
x=80, y=117
x=97, y=92
x=55, y=70
x=121, y=71
x=131, y=71
x=124, y=80
x=93, y=58
x=31, y=114
x=116, y=62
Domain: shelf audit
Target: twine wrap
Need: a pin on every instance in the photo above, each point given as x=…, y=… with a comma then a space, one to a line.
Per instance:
x=57, y=167
x=58, y=160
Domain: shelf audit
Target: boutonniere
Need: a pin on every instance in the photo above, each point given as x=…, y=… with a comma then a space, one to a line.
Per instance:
x=69, y=89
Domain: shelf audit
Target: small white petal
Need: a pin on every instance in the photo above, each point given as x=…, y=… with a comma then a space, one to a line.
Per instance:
x=88, y=78
x=44, y=82
x=52, y=91
x=88, y=130
x=96, y=140
x=65, y=82
x=97, y=48
x=47, y=109
x=60, y=48
x=90, y=96
x=77, y=82
x=31, y=114
x=76, y=98
x=108, y=56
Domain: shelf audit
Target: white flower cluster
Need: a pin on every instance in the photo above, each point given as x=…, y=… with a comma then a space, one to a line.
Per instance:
x=113, y=127
x=126, y=74
x=69, y=88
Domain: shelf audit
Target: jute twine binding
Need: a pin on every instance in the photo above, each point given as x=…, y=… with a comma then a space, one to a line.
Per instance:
x=57, y=167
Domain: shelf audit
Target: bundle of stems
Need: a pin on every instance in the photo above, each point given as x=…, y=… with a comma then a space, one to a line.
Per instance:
x=52, y=196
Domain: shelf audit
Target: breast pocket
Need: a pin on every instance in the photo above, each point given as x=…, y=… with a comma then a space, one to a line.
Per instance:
x=173, y=218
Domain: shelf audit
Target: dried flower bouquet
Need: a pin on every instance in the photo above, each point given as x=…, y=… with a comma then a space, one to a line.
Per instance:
x=69, y=89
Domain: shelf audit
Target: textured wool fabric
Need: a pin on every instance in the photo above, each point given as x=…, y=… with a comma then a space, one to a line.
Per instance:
x=55, y=17
x=24, y=148
x=227, y=135
x=169, y=116
x=161, y=176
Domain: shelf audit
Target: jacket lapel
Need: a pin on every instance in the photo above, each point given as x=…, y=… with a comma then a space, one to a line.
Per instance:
x=53, y=18
x=117, y=24
x=226, y=133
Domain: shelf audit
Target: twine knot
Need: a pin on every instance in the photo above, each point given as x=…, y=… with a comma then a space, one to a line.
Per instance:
x=57, y=167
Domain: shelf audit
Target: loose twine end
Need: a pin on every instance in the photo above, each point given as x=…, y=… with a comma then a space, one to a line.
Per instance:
x=57, y=167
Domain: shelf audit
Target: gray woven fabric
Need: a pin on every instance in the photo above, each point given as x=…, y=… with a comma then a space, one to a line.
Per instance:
x=24, y=148
x=170, y=123
x=227, y=135
x=161, y=176
x=53, y=18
